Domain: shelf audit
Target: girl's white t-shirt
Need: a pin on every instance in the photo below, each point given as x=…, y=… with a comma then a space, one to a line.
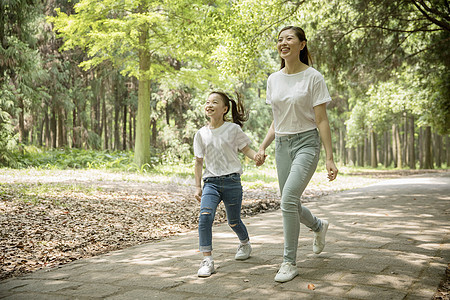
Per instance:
x=219, y=147
x=293, y=97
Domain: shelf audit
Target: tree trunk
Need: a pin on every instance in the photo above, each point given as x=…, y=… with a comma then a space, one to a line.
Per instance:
x=61, y=131
x=41, y=133
x=421, y=148
x=142, y=146
x=386, y=149
x=411, y=148
x=352, y=156
x=359, y=156
x=134, y=129
x=47, y=135
x=367, y=150
x=405, y=141
x=116, y=112
x=105, y=125
x=154, y=132
x=342, y=145
x=75, y=138
x=167, y=110
x=398, y=150
x=53, y=126
x=373, y=149
x=437, y=150
x=447, y=147
x=22, y=133
x=124, y=128
x=130, y=128
x=427, y=158
x=394, y=145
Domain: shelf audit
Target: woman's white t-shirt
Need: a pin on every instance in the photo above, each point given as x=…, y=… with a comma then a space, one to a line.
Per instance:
x=293, y=97
x=219, y=147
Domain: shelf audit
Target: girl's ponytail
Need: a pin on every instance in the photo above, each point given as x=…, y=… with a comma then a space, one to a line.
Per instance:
x=238, y=112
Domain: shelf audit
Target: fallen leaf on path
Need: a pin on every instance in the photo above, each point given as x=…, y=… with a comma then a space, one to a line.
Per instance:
x=311, y=287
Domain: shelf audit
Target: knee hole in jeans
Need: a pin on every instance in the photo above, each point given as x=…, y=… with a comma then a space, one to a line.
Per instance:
x=233, y=223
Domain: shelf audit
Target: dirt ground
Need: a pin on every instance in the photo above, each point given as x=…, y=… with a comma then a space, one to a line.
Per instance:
x=49, y=218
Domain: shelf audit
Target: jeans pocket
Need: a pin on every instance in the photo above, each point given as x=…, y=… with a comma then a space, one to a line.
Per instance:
x=236, y=178
x=277, y=145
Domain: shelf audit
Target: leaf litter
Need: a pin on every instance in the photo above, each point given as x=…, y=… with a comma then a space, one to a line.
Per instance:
x=52, y=218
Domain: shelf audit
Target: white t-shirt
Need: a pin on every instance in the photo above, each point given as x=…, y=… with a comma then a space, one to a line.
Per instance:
x=293, y=97
x=219, y=148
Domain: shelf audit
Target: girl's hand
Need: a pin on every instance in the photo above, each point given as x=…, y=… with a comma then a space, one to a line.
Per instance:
x=198, y=194
x=260, y=158
x=332, y=170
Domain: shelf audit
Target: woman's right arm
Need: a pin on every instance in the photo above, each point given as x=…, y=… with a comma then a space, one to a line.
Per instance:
x=270, y=136
x=198, y=177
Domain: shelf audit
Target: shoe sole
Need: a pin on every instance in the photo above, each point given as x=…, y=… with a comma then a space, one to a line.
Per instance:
x=242, y=258
x=325, y=233
x=287, y=279
x=204, y=276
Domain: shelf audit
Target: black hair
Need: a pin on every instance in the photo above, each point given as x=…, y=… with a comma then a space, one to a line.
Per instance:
x=238, y=112
x=304, y=56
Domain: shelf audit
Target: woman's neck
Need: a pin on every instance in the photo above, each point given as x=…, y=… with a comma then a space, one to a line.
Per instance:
x=293, y=67
x=215, y=123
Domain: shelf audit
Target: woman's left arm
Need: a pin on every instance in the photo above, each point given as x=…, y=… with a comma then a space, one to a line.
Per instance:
x=325, y=134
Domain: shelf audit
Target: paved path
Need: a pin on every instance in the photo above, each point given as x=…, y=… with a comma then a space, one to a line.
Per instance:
x=386, y=241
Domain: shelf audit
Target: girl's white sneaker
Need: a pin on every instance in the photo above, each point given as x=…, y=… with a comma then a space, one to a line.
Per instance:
x=243, y=251
x=206, y=268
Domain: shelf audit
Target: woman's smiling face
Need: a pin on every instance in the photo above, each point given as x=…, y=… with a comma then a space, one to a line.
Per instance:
x=289, y=45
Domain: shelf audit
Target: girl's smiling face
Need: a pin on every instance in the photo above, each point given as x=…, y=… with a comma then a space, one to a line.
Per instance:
x=215, y=107
x=289, y=45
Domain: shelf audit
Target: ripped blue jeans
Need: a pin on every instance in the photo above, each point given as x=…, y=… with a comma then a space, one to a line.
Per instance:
x=228, y=189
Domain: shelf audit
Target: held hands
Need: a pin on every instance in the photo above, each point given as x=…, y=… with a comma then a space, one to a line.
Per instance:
x=260, y=157
x=332, y=170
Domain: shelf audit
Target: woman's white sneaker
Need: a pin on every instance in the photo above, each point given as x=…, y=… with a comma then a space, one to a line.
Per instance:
x=319, y=238
x=286, y=272
x=206, y=268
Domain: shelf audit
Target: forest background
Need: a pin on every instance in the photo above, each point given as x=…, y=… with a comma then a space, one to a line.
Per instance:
x=129, y=78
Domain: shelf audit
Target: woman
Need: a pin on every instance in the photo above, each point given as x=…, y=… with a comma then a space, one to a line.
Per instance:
x=298, y=96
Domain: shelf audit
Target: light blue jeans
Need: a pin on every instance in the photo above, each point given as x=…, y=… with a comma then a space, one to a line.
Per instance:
x=296, y=157
x=228, y=189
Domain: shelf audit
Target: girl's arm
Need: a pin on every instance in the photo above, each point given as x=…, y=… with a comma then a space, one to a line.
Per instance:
x=198, y=177
x=270, y=136
x=320, y=112
x=250, y=153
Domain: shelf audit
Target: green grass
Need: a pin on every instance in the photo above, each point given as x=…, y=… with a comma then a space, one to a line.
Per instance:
x=33, y=193
x=122, y=161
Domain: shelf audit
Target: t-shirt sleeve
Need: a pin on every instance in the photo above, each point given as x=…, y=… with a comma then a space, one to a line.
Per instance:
x=268, y=92
x=198, y=145
x=241, y=139
x=320, y=92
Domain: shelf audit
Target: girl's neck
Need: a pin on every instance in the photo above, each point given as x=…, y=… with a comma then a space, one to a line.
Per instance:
x=215, y=123
x=293, y=67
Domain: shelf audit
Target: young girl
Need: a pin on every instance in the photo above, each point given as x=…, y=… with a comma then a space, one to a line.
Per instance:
x=298, y=96
x=218, y=144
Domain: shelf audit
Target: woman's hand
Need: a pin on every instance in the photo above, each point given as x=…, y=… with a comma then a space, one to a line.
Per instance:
x=260, y=157
x=332, y=170
x=198, y=194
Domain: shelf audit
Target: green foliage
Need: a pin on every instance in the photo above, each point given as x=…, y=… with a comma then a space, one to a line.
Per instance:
x=73, y=158
x=8, y=139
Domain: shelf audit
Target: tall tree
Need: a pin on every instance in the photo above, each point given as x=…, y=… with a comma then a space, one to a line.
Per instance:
x=138, y=37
